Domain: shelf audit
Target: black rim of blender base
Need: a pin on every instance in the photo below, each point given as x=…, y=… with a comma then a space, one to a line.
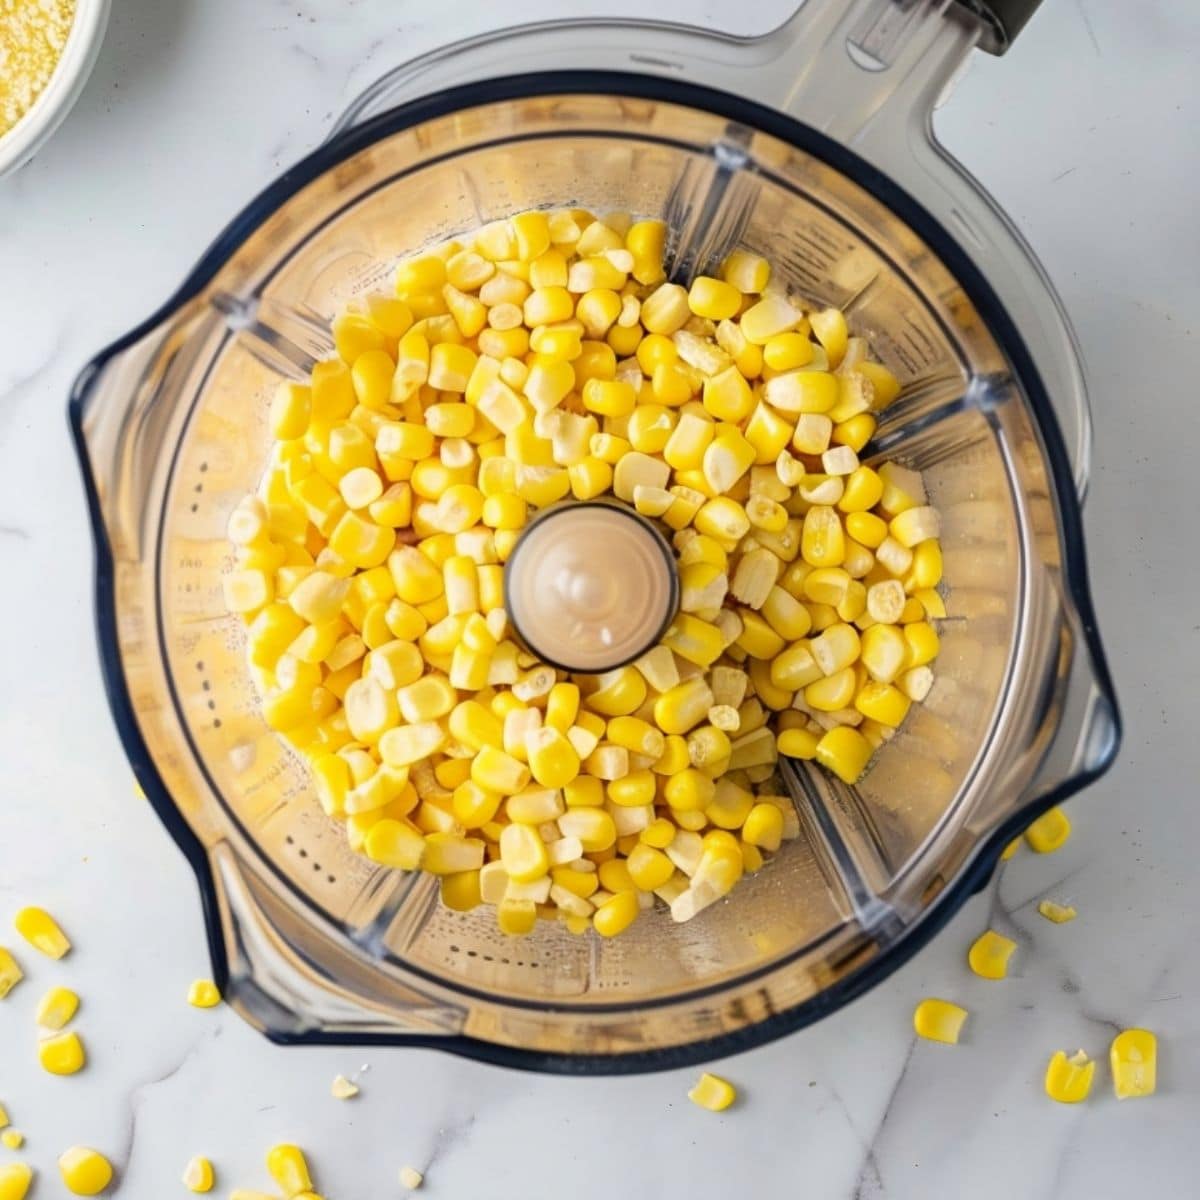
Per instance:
x=660, y=544
x=999, y=325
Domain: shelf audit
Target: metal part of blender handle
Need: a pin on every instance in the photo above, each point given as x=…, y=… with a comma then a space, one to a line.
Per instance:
x=1005, y=19
x=281, y=988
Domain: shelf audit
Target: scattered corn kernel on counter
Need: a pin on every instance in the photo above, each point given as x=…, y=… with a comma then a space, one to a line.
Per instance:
x=546, y=360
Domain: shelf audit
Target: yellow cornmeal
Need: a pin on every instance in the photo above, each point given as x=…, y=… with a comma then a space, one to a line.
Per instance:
x=32, y=36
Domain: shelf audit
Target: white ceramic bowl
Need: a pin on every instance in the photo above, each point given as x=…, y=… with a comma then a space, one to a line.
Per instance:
x=24, y=139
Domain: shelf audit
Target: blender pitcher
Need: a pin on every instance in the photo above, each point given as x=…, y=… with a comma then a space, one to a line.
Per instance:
x=811, y=145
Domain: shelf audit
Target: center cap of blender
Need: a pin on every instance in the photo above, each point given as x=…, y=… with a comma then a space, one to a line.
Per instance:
x=590, y=586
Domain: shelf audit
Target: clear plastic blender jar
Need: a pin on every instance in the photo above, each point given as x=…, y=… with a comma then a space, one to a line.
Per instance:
x=811, y=145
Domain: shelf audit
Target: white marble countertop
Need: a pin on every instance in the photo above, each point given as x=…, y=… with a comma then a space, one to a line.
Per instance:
x=1086, y=134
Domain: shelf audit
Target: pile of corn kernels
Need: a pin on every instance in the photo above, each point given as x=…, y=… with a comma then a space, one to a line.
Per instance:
x=546, y=358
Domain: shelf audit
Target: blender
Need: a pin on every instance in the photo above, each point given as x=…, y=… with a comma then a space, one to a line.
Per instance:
x=811, y=145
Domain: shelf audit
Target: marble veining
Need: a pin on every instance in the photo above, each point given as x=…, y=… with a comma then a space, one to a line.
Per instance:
x=193, y=107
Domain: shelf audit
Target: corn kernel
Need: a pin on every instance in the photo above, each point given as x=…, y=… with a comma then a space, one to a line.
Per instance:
x=62, y=1054
x=85, y=1172
x=616, y=915
x=713, y=1093
x=289, y=1168
x=14, y=1139
x=198, y=1175
x=1069, y=1080
x=939, y=1021
x=989, y=955
x=1060, y=914
x=1049, y=832
x=1133, y=1057
x=42, y=932
x=10, y=972
x=203, y=993
x=845, y=752
x=411, y=1178
x=15, y=1180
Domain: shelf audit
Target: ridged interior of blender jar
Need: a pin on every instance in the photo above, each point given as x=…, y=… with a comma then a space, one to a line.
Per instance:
x=869, y=859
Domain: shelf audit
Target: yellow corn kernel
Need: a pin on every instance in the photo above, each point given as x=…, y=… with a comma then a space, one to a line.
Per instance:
x=829, y=326
x=589, y=478
x=61, y=1055
x=786, y=615
x=637, y=736
x=10, y=972
x=1133, y=1057
x=697, y=641
x=619, y=693
x=823, y=543
x=461, y=892
x=768, y=432
x=1069, y=1080
x=745, y=271
x=787, y=351
x=474, y=726
x=198, y=1175
x=499, y=772
x=516, y=917
x=594, y=828
x=797, y=743
x=616, y=915
x=713, y=298
x=634, y=790
x=728, y=457
x=448, y=853
x=658, y=835
x=713, y=1093
x=727, y=395
x=989, y=955
x=666, y=309
x=855, y=432
x=411, y=1178
x=41, y=931
x=1060, y=914
x=939, y=1021
x=722, y=518
x=648, y=867
x=289, y=1168
x=15, y=1180
x=1010, y=849
x=674, y=757
x=203, y=993
x=763, y=827
x=845, y=752
x=394, y=843
x=291, y=410
x=85, y=1172
x=884, y=652
x=833, y=693
x=883, y=703
x=14, y=1139
x=1049, y=832
x=523, y=853
x=57, y=1008
x=769, y=317
x=646, y=241
x=552, y=759
x=690, y=790
x=474, y=806
x=903, y=488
